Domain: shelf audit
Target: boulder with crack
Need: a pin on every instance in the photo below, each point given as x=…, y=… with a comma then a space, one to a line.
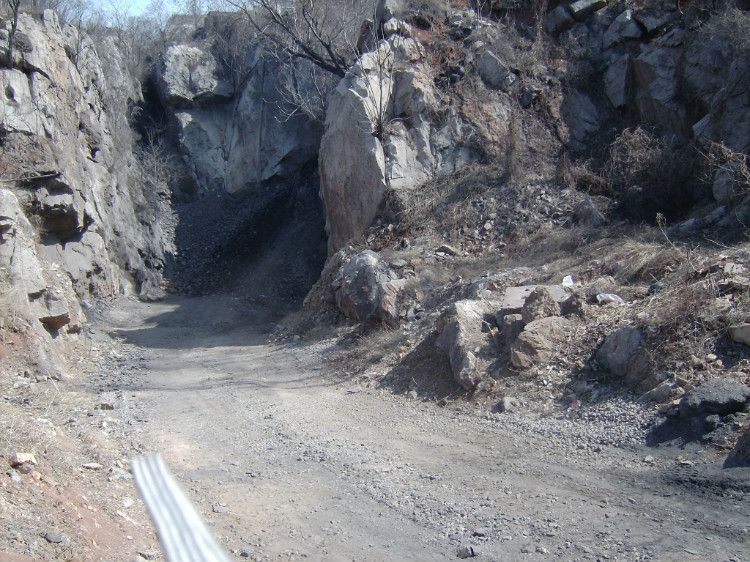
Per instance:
x=624, y=354
x=365, y=289
x=460, y=335
x=539, y=342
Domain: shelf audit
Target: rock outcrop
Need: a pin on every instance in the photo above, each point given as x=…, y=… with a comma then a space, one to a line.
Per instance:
x=387, y=128
x=236, y=129
x=76, y=219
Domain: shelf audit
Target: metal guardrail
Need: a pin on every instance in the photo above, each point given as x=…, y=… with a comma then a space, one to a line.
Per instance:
x=181, y=531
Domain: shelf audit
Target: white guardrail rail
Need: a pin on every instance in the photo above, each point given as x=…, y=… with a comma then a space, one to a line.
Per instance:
x=181, y=531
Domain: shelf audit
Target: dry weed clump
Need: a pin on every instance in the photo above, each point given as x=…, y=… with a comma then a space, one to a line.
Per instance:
x=646, y=262
x=652, y=174
x=729, y=26
x=721, y=157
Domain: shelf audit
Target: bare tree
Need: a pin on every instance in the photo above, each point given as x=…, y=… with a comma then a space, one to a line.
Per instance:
x=14, y=6
x=323, y=32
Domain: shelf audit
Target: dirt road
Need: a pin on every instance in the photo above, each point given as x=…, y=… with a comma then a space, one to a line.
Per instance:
x=286, y=463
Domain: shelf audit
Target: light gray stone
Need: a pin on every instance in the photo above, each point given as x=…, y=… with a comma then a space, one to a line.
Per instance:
x=582, y=9
x=460, y=333
x=624, y=354
x=539, y=342
x=191, y=76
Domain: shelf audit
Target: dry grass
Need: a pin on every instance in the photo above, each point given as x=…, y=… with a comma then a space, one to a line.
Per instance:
x=729, y=26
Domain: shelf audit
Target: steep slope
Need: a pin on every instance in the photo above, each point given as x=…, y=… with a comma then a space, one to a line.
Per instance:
x=79, y=221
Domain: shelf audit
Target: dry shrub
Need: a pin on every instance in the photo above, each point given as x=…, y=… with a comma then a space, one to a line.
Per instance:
x=444, y=201
x=581, y=176
x=652, y=175
x=729, y=26
x=721, y=157
x=646, y=262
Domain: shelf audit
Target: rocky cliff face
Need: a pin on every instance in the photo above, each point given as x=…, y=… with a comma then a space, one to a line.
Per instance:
x=253, y=161
x=77, y=219
x=232, y=128
x=404, y=115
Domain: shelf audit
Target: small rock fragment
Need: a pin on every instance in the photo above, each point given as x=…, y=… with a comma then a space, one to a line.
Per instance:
x=466, y=551
x=609, y=298
x=21, y=459
x=54, y=538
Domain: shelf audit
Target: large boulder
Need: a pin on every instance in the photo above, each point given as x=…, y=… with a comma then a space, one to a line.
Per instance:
x=191, y=76
x=539, y=342
x=715, y=397
x=367, y=290
x=617, y=81
x=656, y=73
x=386, y=130
x=460, y=334
x=624, y=354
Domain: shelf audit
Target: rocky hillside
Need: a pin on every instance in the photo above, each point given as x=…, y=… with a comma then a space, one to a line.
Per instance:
x=78, y=220
x=527, y=197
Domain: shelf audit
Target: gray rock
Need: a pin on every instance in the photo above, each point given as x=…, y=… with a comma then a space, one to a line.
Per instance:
x=617, y=81
x=586, y=213
x=656, y=78
x=512, y=326
x=57, y=313
x=191, y=76
x=466, y=551
x=729, y=118
x=558, y=20
x=494, y=73
x=539, y=304
x=724, y=186
x=740, y=455
x=740, y=333
x=582, y=9
x=357, y=168
x=624, y=354
x=654, y=22
x=508, y=405
x=623, y=28
x=716, y=396
x=54, y=538
x=658, y=394
x=540, y=342
x=581, y=116
x=367, y=290
x=460, y=333
x=514, y=298
x=574, y=305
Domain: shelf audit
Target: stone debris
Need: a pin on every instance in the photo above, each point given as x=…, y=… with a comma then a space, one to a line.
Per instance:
x=22, y=460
